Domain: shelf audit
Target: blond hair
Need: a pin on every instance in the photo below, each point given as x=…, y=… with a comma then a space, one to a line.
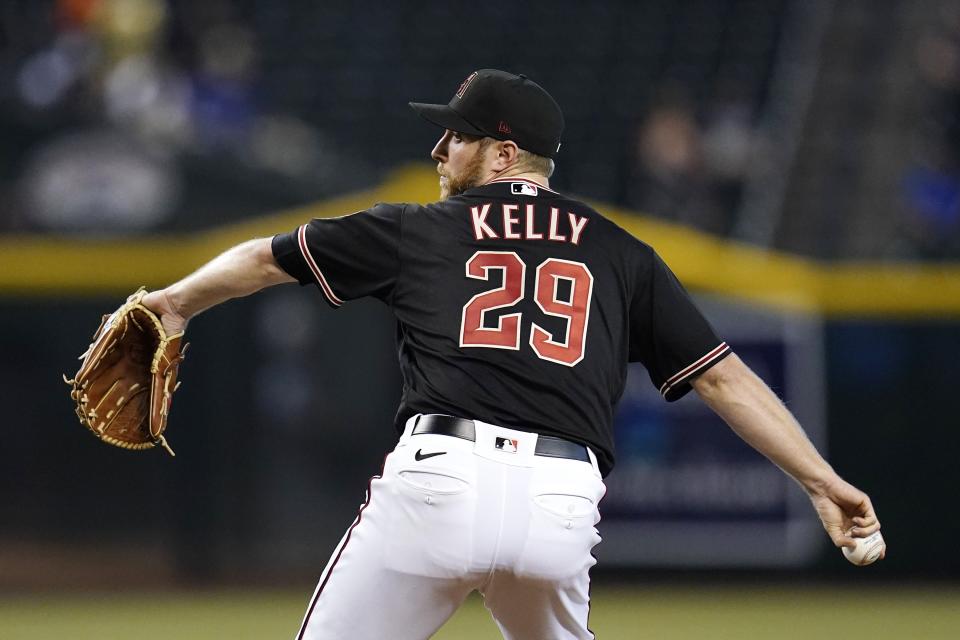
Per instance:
x=540, y=165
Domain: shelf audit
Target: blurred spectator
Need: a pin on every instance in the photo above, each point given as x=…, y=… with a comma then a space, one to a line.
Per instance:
x=667, y=180
x=98, y=179
x=728, y=140
x=931, y=186
x=689, y=174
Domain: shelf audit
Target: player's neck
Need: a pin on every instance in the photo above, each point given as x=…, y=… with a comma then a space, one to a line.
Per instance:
x=541, y=180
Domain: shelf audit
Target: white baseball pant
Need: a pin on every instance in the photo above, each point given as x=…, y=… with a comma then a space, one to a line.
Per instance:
x=517, y=527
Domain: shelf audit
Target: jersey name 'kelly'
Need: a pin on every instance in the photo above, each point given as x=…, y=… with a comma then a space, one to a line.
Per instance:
x=559, y=229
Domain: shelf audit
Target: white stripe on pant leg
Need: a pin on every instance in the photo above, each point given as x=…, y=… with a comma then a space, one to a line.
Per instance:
x=334, y=558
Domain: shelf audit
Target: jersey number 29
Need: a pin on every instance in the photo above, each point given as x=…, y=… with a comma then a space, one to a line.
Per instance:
x=506, y=335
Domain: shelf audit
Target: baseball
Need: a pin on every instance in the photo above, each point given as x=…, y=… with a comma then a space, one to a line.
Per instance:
x=867, y=550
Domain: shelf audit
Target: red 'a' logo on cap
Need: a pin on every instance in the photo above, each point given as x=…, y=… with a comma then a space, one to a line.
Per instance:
x=503, y=127
x=465, y=84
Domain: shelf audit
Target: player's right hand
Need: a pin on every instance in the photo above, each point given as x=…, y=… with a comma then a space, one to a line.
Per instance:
x=846, y=513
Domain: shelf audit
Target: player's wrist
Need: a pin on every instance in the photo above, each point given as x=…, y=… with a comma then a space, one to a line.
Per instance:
x=175, y=305
x=821, y=484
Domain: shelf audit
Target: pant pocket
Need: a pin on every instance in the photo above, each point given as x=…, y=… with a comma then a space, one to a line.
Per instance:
x=566, y=505
x=561, y=535
x=433, y=482
x=431, y=523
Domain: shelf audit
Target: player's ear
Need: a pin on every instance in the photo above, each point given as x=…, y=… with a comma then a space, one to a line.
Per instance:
x=507, y=153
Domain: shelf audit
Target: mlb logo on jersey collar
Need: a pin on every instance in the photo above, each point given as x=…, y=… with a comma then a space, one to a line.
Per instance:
x=523, y=189
x=506, y=444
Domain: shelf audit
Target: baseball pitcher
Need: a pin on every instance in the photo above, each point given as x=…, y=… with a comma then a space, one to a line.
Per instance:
x=518, y=309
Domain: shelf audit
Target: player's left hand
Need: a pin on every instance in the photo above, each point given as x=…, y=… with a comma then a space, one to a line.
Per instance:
x=846, y=513
x=133, y=361
x=159, y=302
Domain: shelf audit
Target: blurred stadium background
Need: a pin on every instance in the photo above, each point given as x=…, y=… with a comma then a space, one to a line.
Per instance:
x=796, y=161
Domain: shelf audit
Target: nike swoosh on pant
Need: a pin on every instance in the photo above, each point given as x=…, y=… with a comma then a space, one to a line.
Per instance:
x=419, y=455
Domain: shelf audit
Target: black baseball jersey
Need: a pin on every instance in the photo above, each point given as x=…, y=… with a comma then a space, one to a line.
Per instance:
x=515, y=305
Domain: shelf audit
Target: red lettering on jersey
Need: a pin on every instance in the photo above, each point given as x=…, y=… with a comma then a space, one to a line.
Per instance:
x=480, y=227
x=576, y=311
x=531, y=234
x=577, y=224
x=510, y=221
x=506, y=335
x=554, y=217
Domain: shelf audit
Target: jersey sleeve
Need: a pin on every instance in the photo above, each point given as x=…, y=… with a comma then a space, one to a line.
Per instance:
x=348, y=257
x=668, y=334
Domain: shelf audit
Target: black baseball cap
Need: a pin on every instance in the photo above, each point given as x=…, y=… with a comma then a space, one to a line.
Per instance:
x=501, y=105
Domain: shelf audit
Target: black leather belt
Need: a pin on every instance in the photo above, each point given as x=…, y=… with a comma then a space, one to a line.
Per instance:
x=548, y=446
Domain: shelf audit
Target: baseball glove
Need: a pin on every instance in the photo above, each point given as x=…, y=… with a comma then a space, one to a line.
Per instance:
x=125, y=385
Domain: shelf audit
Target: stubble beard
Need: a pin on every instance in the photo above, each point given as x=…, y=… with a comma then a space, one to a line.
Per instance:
x=470, y=177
